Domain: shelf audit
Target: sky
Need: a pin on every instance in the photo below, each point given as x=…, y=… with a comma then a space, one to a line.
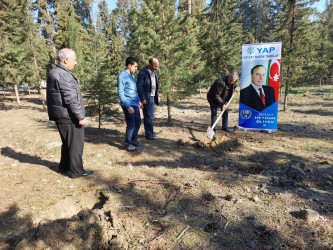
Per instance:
x=320, y=5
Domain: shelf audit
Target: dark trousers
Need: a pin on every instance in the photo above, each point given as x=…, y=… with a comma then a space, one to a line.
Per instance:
x=133, y=122
x=149, y=116
x=214, y=115
x=72, y=137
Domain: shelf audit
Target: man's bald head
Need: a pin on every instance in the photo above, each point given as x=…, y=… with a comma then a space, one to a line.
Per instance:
x=153, y=64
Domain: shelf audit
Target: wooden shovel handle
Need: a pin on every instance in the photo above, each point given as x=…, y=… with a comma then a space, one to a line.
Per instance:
x=217, y=120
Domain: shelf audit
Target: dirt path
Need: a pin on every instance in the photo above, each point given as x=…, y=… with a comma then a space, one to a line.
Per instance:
x=244, y=190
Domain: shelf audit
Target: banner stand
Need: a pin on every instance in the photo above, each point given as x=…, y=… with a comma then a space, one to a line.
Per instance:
x=269, y=131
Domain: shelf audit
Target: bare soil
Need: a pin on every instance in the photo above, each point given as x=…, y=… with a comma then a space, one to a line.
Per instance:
x=243, y=190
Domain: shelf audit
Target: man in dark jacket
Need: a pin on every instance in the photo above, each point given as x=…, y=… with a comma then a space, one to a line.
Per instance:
x=218, y=96
x=65, y=107
x=147, y=86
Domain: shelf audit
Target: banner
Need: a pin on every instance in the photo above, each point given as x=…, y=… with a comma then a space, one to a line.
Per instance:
x=260, y=80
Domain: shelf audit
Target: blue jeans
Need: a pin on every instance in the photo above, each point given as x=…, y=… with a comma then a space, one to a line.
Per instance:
x=133, y=122
x=149, y=116
x=213, y=111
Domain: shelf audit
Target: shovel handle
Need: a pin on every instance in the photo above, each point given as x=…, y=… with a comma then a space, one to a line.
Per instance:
x=217, y=120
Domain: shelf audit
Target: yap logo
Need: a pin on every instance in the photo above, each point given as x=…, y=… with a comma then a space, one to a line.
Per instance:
x=250, y=50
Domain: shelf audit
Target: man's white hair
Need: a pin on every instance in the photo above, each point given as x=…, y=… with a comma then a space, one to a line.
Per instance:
x=65, y=53
x=234, y=74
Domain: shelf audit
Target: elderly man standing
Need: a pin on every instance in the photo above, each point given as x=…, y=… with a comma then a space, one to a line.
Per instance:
x=218, y=96
x=147, y=86
x=65, y=107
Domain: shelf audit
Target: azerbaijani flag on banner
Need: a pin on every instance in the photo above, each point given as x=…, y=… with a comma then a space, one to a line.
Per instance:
x=273, y=75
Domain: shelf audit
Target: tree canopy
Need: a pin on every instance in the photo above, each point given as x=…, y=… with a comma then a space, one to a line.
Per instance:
x=194, y=43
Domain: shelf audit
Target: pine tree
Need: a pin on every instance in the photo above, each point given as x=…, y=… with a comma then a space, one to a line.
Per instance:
x=38, y=51
x=259, y=18
x=105, y=64
x=70, y=33
x=169, y=36
x=44, y=10
x=222, y=39
x=83, y=10
x=299, y=51
x=192, y=6
x=327, y=40
x=15, y=63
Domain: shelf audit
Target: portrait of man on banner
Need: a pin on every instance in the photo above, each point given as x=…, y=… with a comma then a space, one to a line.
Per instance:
x=257, y=95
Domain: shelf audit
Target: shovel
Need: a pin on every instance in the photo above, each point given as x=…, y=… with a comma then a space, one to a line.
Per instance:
x=210, y=130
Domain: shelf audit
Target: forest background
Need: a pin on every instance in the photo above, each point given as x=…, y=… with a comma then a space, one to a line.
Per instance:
x=195, y=42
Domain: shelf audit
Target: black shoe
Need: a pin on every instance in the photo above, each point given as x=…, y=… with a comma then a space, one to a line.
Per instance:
x=226, y=129
x=86, y=173
x=137, y=144
x=130, y=148
x=65, y=173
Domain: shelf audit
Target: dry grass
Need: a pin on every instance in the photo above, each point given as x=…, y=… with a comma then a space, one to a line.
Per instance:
x=243, y=190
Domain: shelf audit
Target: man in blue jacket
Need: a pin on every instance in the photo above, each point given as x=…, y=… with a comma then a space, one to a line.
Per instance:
x=130, y=102
x=148, y=93
x=65, y=107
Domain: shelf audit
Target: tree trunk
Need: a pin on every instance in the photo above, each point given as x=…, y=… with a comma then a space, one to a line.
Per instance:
x=42, y=97
x=285, y=97
x=169, y=108
x=291, y=46
x=17, y=94
x=99, y=116
x=280, y=95
x=189, y=6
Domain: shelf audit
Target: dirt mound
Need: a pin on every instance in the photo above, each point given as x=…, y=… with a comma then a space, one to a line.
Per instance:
x=219, y=144
x=93, y=227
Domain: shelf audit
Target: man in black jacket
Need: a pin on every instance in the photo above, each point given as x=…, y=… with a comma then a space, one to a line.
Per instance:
x=147, y=86
x=218, y=96
x=65, y=107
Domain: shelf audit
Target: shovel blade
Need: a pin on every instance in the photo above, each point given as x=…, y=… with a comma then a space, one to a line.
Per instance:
x=210, y=132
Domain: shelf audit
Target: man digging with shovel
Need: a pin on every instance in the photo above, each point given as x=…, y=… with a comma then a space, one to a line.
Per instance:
x=219, y=96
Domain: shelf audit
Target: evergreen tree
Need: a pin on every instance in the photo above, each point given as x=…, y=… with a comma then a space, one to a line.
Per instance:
x=192, y=6
x=121, y=14
x=163, y=33
x=44, y=10
x=299, y=50
x=222, y=39
x=259, y=18
x=15, y=63
x=71, y=34
x=106, y=63
x=38, y=51
x=83, y=10
x=327, y=36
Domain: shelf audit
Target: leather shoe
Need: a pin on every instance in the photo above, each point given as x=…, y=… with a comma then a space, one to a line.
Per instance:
x=226, y=129
x=86, y=173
